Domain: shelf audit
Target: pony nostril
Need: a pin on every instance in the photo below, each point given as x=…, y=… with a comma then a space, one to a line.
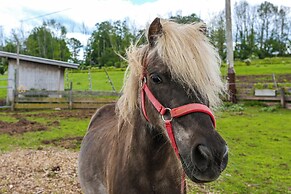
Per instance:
x=224, y=159
x=226, y=151
x=200, y=157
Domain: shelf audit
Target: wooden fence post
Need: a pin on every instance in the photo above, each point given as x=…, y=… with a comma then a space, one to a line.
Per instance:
x=110, y=81
x=283, y=98
x=13, y=101
x=70, y=96
x=229, y=48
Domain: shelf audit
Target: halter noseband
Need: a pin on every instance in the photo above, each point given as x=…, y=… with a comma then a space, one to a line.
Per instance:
x=172, y=113
x=175, y=112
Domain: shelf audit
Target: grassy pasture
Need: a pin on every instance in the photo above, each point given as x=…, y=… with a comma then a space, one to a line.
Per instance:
x=67, y=127
x=276, y=65
x=3, y=85
x=259, y=139
x=99, y=79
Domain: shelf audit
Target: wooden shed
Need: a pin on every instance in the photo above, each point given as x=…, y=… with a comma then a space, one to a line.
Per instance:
x=34, y=73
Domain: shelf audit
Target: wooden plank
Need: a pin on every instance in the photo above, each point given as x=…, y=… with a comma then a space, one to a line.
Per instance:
x=40, y=106
x=48, y=93
x=44, y=93
x=258, y=98
x=40, y=99
x=95, y=93
x=87, y=106
x=265, y=92
x=92, y=100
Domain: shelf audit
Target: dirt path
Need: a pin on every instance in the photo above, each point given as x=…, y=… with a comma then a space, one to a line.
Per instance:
x=50, y=170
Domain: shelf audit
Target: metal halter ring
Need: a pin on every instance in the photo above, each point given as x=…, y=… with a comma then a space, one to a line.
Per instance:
x=143, y=81
x=168, y=110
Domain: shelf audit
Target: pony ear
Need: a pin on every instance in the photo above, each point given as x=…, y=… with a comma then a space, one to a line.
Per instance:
x=155, y=30
x=203, y=28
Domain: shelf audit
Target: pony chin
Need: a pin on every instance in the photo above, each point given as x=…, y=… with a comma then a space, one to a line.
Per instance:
x=197, y=176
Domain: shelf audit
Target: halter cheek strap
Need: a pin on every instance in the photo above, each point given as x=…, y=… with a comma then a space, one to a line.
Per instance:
x=173, y=113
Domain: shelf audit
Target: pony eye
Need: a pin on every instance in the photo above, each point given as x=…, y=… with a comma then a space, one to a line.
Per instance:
x=156, y=79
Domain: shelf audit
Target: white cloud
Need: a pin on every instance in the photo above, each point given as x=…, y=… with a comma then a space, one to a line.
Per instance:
x=91, y=12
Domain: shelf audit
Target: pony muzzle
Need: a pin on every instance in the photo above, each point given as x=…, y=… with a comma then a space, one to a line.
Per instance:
x=207, y=164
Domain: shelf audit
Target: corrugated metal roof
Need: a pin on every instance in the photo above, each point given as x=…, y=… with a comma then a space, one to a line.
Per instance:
x=39, y=60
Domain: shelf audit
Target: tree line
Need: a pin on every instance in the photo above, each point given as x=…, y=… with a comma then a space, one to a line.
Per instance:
x=259, y=31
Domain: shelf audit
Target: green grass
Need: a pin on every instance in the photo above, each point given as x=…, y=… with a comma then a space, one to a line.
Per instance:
x=260, y=69
x=99, y=80
x=276, y=65
x=7, y=118
x=72, y=127
x=3, y=85
x=259, y=140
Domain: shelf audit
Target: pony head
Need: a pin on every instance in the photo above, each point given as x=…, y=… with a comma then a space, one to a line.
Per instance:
x=180, y=67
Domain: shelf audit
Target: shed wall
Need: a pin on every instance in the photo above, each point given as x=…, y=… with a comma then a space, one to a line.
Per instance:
x=36, y=76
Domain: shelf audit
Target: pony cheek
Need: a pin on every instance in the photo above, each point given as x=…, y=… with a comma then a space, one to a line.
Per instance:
x=183, y=139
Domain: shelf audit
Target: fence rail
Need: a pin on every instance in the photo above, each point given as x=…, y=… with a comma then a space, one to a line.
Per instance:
x=63, y=99
x=269, y=96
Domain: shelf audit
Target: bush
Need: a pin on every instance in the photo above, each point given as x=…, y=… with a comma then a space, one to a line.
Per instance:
x=248, y=62
x=2, y=70
x=3, y=66
x=233, y=107
x=269, y=109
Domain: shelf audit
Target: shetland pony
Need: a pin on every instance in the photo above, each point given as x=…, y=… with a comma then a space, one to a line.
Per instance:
x=162, y=126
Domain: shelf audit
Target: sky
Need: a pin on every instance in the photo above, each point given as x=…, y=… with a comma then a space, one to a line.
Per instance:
x=26, y=14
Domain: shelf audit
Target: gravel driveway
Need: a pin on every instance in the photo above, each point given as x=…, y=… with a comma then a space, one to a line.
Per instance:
x=50, y=170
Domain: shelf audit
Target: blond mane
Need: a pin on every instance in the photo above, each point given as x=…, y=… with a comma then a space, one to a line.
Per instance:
x=191, y=59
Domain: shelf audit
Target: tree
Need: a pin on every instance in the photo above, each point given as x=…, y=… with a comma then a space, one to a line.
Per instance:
x=244, y=17
x=48, y=41
x=186, y=19
x=217, y=34
x=266, y=14
x=3, y=65
x=107, y=42
x=74, y=46
x=10, y=46
x=281, y=31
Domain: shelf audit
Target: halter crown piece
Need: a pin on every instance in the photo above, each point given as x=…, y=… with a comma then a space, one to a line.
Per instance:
x=171, y=114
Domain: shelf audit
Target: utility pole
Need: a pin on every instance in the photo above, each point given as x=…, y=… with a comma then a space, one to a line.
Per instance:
x=229, y=45
x=1, y=37
x=16, y=77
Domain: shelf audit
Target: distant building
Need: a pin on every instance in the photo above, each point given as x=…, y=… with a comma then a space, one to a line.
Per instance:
x=34, y=73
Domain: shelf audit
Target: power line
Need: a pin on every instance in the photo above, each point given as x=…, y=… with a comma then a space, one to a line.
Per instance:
x=40, y=16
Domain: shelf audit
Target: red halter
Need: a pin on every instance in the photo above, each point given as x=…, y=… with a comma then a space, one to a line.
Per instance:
x=173, y=113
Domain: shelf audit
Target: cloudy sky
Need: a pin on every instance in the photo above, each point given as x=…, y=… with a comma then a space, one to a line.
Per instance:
x=29, y=13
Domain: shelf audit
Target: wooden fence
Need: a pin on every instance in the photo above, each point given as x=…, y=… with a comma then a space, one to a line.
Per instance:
x=272, y=91
x=95, y=99
x=44, y=99
x=282, y=96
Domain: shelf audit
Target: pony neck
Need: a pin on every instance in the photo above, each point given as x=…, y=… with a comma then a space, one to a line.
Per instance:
x=149, y=138
x=157, y=153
